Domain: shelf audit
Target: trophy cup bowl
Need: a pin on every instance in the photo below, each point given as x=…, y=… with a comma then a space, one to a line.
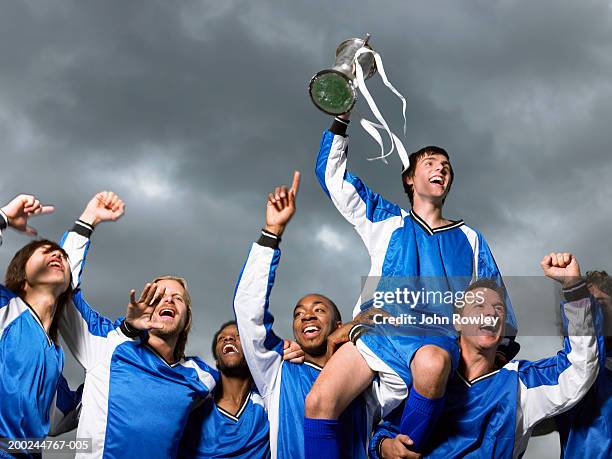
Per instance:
x=332, y=90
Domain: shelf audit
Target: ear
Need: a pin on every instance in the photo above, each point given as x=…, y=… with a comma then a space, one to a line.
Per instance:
x=338, y=325
x=409, y=180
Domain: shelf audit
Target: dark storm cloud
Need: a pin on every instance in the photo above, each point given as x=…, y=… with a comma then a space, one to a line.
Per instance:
x=193, y=111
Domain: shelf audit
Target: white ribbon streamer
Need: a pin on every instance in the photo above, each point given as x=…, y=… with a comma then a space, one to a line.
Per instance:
x=369, y=126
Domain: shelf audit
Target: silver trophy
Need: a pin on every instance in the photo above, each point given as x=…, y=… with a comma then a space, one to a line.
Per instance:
x=333, y=90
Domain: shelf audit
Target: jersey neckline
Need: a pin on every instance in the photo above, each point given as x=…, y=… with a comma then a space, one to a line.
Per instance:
x=313, y=365
x=38, y=321
x=234, y=417
x=158, y=355
x=431, y=231
x=475, y=380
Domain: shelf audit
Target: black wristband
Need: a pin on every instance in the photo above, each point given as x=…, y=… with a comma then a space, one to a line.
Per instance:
x=3, y=221
x=268, y=239
x=576, y=292
x=82, y=228
x=339, y=126
x=379, y=446
x=129, y=331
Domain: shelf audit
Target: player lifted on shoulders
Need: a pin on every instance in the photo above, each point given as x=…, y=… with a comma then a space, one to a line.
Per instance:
x=418, y=244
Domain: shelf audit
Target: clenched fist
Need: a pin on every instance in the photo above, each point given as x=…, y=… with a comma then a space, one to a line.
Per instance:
x=104, y=206
x=562, y=267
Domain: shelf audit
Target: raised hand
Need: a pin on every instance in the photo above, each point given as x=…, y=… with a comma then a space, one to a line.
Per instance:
x=104, y=206
x=21, y=208
x=292, y=352
x=139, y=312
x=281, y=206
x=562, y=267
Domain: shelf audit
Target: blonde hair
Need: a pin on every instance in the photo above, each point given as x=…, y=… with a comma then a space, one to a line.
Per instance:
x=179, y=350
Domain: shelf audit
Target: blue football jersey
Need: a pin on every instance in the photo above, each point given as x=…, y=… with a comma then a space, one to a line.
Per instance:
x=134, y=404
x=213, y=433
x=283, y=385
x=493, y=415
x=586, y=429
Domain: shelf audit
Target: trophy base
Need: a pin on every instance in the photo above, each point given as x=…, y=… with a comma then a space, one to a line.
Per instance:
x=332, y=92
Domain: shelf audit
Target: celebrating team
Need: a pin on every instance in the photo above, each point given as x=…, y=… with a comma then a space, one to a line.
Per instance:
x=350, y=390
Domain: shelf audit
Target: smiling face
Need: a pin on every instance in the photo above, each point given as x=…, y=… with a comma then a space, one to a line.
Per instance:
x=488, y=303
x=314, y=319
x=228, y=351
x=432, y=177
x=172, y=309
x=48, y=266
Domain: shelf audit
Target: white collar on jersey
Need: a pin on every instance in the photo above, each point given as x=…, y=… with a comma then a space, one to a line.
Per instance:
x=235, y=417
x=429, y=229
x=475, y=380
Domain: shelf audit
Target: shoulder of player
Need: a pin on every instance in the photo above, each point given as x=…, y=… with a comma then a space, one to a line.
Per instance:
x=195, y=360
x=199, y=365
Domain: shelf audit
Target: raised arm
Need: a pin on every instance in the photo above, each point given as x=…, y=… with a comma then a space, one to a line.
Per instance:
x=551, y=386
x=359, y=205
x=262, y=348
x=85, y=330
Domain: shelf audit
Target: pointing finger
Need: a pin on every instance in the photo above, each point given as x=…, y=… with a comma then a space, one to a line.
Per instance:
x=296, y=182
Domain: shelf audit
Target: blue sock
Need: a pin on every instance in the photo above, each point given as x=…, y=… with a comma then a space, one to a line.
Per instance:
x=419, y=417
x=321, y=438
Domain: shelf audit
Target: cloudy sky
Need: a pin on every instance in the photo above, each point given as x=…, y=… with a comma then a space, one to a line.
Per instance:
x=192, y=112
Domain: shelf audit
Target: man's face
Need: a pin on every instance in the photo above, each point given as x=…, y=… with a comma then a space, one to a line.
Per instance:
x=606, y=302
x=485, y=302
x=50, y=267
x=432, y=177
x=313, y=322
x=228, y=350
x=171, y=312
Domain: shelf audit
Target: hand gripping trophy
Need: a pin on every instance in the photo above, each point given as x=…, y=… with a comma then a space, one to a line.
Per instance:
x=334, y=90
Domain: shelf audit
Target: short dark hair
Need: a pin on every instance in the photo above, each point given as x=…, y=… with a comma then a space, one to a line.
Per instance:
x=601, y=280
x=15, y=278
x=491, y=284
x=337, y=316
x=414, y=158
x=217, y=333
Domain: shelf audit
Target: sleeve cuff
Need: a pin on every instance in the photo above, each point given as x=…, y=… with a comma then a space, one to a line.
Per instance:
x=268, y=239
x=577, y=292
x=379, y=446
x=129, y=331
x=3, y=221
x=339, y=126
x=82, y=228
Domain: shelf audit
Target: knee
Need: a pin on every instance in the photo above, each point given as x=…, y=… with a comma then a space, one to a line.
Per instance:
x=432, y=360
